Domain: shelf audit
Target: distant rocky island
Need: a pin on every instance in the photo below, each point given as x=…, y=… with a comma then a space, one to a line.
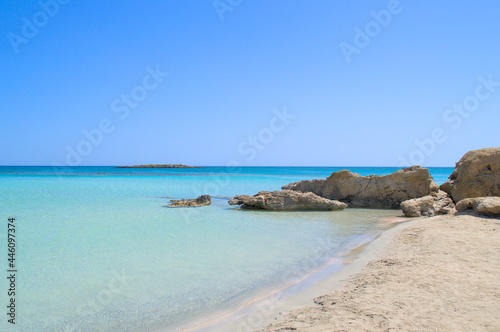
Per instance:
x=159, y=166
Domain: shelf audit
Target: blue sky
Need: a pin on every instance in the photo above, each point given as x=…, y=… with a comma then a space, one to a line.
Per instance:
x=305, y=83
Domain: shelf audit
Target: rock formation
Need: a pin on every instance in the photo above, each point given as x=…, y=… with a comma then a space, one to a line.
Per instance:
x=193, y=202
x=286, y=200
x=488, y=206
x=430, y=205
x=477, y=174
x=446, y=187
x=374, y=191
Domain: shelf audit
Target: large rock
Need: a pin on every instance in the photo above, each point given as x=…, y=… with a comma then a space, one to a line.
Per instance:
x=488, y=206
x=477, y=174
x=431, y=205
x=446, y=187
x=387, y=191
x=193, y=202
x=286, y=200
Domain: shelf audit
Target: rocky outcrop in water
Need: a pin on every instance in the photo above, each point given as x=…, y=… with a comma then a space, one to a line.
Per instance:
x=477, y=174
x=430, y=205
x=373, y=191
x=193, y=202
x=488, y=206
x=286, y=200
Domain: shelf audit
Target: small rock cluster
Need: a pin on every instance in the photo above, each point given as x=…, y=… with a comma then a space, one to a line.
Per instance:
x=193, y=202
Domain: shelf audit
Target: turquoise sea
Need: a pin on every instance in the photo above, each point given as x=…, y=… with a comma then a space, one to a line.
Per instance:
x=97, y=251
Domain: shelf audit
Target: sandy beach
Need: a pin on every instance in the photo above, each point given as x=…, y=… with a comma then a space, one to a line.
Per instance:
x=437, y=274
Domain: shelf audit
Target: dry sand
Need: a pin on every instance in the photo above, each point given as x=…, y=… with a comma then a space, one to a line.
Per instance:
x=438, y=274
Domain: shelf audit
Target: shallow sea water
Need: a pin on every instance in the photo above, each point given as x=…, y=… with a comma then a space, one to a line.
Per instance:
x=99, y=252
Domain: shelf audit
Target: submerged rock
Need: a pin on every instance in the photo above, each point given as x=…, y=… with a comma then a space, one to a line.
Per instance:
x=477, y=174
x=387, y=191
x=430, y=205
x=286, y=200
x=488, y=206
x=193, y=202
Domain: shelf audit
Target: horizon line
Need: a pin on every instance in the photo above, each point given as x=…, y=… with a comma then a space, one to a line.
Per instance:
x=225, y=166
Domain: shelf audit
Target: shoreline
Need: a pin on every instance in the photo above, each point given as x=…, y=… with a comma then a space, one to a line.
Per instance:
x=438, y=273
x=260, y=311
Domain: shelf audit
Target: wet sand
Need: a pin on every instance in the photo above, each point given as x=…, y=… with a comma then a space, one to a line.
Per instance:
x=437, y=274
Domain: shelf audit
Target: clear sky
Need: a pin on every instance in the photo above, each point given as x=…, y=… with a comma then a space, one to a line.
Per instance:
x=305, y=83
